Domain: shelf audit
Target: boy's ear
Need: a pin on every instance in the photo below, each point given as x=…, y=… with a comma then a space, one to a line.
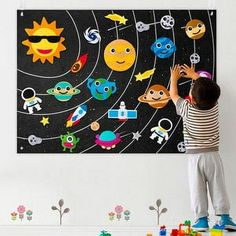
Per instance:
x=190, y=98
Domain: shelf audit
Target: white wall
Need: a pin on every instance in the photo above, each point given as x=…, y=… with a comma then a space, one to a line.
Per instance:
x=92, y=185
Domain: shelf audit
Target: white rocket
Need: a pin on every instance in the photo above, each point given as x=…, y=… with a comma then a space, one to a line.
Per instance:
x=74, y=118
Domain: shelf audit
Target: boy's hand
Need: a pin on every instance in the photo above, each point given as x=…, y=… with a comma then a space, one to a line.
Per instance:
x=175, y=73
x=189, y=72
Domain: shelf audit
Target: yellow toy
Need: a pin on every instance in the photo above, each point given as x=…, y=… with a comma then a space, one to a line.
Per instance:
x=216, y=232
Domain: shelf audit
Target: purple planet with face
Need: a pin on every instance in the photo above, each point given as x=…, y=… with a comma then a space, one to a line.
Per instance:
x=107, y=139
x=205, y=74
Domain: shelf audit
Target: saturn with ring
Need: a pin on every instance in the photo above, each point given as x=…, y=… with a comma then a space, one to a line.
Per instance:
x=157, y=96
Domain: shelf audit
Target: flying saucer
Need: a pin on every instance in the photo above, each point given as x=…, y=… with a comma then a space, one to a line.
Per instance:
x=107, y=139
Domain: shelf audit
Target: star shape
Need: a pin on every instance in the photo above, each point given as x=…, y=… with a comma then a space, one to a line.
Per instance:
x=136, y=135
x=139, y=77
x=45, y=121
x=123, y=20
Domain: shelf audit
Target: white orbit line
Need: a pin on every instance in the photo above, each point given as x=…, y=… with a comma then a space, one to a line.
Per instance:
x=194, y=41
x=23, y=138
x=173, y=33
x=173, y=36
x=154, y=18
x=213, y=46
x=51, y=138
x=86, y=79
x=57, y=76
x=39, y=94
x=126, y=135
x=98, y=56
x=180, y=117
x=117, y=36
x=167, y=85
x=55, y=113
x=114, y=27
x=131, y=77
x=188, y=81
x=125, y=27
x=44, y=77
x=88, y=149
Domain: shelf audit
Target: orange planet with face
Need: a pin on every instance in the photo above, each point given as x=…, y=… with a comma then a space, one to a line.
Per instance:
x=157, y=96
x=119, y=55
x=195, y=29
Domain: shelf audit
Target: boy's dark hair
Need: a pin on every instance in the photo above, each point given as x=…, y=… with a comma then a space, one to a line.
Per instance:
x=205, y=93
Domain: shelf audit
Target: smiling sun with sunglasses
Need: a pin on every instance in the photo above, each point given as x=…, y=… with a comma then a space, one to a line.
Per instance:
x=44, y=41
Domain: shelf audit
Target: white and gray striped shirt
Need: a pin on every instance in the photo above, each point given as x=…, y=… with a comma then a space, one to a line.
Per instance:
x=200, y=127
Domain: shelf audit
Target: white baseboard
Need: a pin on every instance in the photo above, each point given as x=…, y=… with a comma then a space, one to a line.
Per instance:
x=85, y=231
x=75, y=231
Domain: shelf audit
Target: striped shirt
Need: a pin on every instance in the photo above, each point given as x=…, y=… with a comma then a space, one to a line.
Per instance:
x=200, y=127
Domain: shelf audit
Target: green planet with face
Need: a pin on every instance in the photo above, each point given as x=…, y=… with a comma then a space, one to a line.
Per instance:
x=63, y=91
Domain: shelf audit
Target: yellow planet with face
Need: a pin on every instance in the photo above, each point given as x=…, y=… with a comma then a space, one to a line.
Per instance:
x=44, y=41
x=119, y=55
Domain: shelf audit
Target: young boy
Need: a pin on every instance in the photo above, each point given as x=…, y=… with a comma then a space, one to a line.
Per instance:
x=201, y=137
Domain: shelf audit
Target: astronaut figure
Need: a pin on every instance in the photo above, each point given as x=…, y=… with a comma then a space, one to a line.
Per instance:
x=160, y=131
x=31, y=101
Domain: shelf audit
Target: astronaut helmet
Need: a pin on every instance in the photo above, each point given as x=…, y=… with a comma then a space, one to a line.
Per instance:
x=165, y=124
x=28, y=93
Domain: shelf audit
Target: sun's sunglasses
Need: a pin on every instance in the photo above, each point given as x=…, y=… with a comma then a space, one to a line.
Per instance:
x=51, y=39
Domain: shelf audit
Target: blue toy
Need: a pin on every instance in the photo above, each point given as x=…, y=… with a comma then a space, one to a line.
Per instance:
x=163, y=47
x=101, y=89
x=162, y=231
x=218, y=226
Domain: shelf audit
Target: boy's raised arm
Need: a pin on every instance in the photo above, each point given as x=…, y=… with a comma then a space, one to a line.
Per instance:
x=175, y=75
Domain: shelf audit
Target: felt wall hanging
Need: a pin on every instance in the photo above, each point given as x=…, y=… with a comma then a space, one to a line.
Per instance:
x=97, y=81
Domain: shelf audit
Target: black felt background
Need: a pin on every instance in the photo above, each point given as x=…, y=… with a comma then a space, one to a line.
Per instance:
x=128, y=89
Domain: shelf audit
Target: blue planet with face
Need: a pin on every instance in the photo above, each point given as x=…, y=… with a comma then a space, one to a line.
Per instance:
x=163, y=47
x=101, y=89
x=63, y=91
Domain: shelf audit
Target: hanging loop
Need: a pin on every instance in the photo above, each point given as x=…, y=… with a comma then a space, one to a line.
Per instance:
x=22, y=7
x=211, y=4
